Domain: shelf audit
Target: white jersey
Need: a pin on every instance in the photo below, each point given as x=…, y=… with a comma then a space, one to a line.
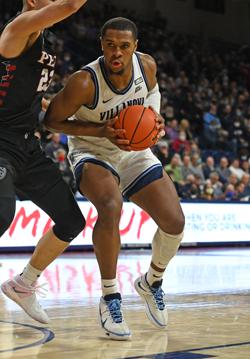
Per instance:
x=134, y=168
x=109, y=101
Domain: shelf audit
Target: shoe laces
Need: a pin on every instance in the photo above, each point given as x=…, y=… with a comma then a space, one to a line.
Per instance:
x=159, y=296
x=34, y=289
x=114, y=306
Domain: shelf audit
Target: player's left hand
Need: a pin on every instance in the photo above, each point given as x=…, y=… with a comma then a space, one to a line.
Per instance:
x=160, y=124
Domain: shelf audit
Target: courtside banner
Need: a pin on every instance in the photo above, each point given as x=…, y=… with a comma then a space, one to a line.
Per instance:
x=205, y=223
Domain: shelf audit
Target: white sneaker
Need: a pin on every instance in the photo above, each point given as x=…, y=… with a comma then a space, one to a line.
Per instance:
x=25, y=296
x=111, y=318
x=153, y=297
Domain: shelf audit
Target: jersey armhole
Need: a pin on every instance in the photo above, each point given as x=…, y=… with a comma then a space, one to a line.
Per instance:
x=94, y=78
x=142, y=70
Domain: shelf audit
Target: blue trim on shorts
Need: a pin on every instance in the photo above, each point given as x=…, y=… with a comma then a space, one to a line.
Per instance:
x=80, y=164
x=150, y=175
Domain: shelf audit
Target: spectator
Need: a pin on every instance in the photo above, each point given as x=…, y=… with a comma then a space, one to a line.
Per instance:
x=223, y=170
x=161, y=150
x=181, y=145
x=212, y=127
x=53, y=146
x=175, y=168
x=208, y=167
x=186, y=167
x=235, y=168
x=216, y=185
x=196, y=166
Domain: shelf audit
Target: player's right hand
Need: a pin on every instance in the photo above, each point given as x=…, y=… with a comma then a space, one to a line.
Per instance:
x=116, y=136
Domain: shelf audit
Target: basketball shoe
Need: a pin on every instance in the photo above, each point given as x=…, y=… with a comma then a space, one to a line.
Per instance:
x=25, y=296
x=153, y=296
x=111, y=317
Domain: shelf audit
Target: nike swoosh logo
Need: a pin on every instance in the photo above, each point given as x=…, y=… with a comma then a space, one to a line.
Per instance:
x=18, y=291
x=139, y=285
x=108, y=286
x=103, y=322
x=107, y=100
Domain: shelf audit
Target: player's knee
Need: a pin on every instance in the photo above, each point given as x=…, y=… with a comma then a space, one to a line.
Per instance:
x=174, y=224
x=66, y=229
x=7, y=212
x=109, y=208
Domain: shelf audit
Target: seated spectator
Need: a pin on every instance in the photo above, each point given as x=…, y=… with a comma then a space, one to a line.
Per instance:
x=181, y=145
x=240, y=192
x=185, y=126
x=216, y=184
x=235, y=168
x=208, y=167
x=208, y=192
x=161, y=151
x=190, y=189
x=171, y=130
x=175, y=167
x=232, y=179
x=53, y=146
x=186, y=167
x=223, y=170
x=196, y=166
x=60, y=158
x=245, y=179
x=211, y=127
x=245, y=165
x=230, y=193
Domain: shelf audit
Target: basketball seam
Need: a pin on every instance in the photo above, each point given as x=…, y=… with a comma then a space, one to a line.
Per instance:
x=136, y=143
x=123, y=119
x=137, y=125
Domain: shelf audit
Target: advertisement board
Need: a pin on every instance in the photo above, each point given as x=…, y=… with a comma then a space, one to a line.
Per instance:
x=205, y=223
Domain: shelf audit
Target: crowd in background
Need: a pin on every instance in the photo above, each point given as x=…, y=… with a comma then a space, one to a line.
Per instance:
x=205, y=87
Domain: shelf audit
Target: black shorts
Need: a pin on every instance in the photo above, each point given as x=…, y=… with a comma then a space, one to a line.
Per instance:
x=34, y=175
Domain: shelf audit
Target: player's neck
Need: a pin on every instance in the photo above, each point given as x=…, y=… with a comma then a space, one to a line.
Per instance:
x=121, y=80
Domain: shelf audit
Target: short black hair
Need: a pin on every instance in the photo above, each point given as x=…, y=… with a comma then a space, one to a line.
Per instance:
x=122, y=24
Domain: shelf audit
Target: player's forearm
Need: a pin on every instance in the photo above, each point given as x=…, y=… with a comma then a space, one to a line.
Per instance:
x=154, y=99
x=74, y=127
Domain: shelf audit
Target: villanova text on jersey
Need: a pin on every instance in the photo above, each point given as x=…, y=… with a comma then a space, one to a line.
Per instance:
x=113, y=112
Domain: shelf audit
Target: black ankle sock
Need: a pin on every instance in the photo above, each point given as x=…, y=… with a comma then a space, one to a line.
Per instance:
x=109, y=297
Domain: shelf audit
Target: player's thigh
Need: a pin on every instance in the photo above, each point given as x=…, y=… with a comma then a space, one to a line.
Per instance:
x=42, y=183
x=100, y=186
x=160, y=200
x=7, y=198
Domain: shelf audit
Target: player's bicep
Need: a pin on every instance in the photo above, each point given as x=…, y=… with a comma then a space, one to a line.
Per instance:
x=150, y=69
x=66, y=103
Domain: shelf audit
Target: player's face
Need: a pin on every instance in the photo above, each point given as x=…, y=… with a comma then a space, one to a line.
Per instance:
x=118, y=47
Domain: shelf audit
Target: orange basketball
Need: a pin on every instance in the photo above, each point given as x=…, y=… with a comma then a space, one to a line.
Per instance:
x=140, y=125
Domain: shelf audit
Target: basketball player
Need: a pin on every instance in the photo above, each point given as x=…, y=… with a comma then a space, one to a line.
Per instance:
x=105, y=172
x=27, y=62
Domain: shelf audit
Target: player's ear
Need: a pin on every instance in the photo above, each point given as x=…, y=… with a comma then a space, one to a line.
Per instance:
x=136, y=44
x=31, y=4
x=101, y=42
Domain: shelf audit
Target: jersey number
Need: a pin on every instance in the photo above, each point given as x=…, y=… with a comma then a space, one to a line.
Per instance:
x=46, y=77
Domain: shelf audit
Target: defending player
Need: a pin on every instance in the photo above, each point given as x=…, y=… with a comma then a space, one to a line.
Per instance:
x=27, y=62
x=105, y=172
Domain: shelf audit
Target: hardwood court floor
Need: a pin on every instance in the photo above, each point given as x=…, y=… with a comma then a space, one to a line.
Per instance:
x=208, y=299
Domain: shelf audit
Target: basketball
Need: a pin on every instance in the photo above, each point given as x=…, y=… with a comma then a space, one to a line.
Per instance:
x=140, y=125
